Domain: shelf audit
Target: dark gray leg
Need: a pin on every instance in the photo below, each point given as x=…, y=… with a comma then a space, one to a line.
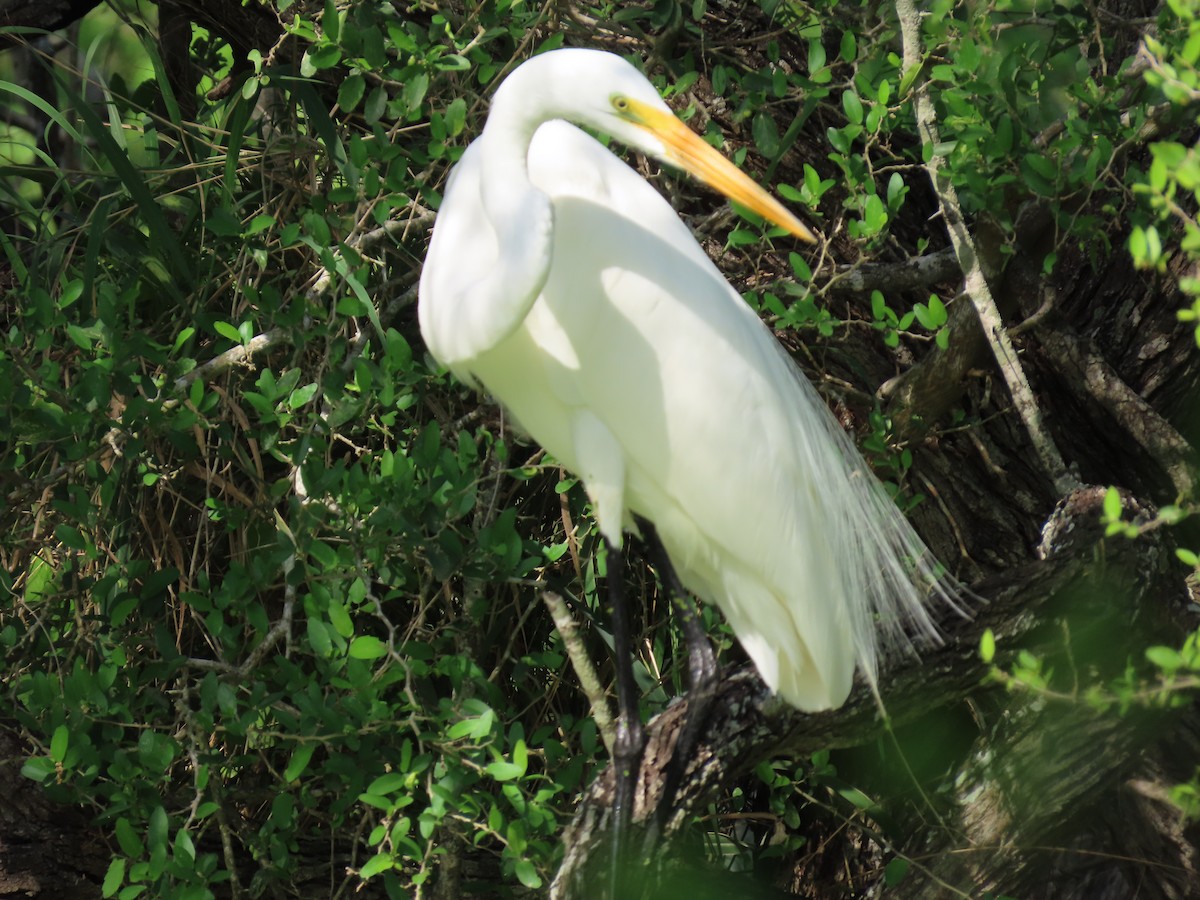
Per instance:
x=702, y=676
x=631, y=739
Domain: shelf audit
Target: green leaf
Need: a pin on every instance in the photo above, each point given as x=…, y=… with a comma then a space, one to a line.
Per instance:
x=857, y=798
x=1112, y=505
x=367, y=646
x=81, y=337
x=477, y=727
x=70, y=537
x=58, y=743
x=380, y=862
x=800, y=267
x=387, y=784
x=838, y=140
x=896, y=190
x=185, y=847
x=299, y=761
x=70, y=292
x=351, y=92
x=185, y=335
x=114, y=877
x=1165, y=658
x=987, y=646
x=527, y=874
x=318, y=58
x=766, y=134
x=875, y=214
x=1172, y=514
x=849, y=47
x=415, y=89
x=879, y=308
x=937, y=311
x=156, y=831
x=376, y=105
x=521, y=755
x=895, y=871
x=504, y=771
x=318, y=637
x=330, y=21
x=740, y=237
x=38, y=769
x=225, y=330
x=302, y=395
x=340, y=619
x=456, y=116
x=853, y=107
x=816, y=55
x=223, y=223
x=131, y=845
x=378, y=802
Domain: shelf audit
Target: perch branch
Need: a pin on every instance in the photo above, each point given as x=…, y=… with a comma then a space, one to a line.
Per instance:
x=747, y=725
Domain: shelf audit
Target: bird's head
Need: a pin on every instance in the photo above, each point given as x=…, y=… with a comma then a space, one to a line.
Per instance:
x=604, y=92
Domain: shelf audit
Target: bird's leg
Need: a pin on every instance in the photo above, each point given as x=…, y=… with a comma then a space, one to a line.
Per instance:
x=702, y=676
x=631, y=739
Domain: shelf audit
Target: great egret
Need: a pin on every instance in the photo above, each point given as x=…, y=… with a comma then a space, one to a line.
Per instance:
x=566, y=286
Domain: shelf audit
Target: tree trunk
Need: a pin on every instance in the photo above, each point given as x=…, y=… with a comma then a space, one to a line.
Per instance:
x=46, y=849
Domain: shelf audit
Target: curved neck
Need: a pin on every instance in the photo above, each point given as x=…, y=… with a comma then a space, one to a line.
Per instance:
x=512, y=121
x=495, y=256
x=520, y=214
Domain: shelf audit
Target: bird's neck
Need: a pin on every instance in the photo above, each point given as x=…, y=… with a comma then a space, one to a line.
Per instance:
x=506, y=137
x=520, y=213
x=513, y=119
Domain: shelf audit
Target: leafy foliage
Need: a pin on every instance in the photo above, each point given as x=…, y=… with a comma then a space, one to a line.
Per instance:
x=273, y=577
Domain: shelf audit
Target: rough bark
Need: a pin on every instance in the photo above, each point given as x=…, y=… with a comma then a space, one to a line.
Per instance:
x=46, y=850
x=47, y=15
x=1033, y=778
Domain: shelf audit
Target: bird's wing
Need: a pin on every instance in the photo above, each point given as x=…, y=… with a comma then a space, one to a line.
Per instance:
x=638, y=346
x=707, y=410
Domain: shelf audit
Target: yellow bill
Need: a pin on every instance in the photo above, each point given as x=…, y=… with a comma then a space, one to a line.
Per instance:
x=688, y=151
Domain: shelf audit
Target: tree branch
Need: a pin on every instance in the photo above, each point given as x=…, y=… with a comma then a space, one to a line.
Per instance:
x=747, y=725
x=975, y=284
x=910, y=274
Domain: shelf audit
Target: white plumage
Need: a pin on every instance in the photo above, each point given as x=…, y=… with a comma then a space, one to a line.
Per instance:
x=562, y=283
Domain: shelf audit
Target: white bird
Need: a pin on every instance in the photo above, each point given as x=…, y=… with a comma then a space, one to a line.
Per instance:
x=566, y=286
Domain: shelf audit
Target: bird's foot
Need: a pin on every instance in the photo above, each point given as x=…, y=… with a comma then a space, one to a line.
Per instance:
x=626, y=867
x=703, y=670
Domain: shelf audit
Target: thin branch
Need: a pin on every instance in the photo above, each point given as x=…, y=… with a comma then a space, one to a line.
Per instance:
x=909, y=274
x=581, y=661
x=975, y=284
x=1095, y=378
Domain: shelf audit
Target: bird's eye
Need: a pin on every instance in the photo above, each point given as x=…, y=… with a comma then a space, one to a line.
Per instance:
x=620, y=104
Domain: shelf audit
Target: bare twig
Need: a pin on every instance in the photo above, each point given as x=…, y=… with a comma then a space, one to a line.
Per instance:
x=916, y=272
x=975, y=284
x=589, y=679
